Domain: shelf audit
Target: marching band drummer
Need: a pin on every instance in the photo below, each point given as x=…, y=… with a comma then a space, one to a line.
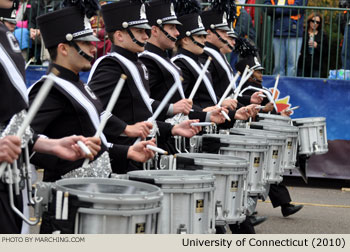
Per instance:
x=71, y=107
x=190, y=45
x=13, y=100
x=162, y=72
x=126, y=24
x=279, y=194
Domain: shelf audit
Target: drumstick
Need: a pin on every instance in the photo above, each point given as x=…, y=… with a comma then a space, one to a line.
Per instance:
x=85, y=149
x=294, y=108
x=161, y=106
x=200, y=78
x=241, y=83
x=39, y=99
x=112, y=101
x=229, y=87
x=262, y=95
x=260, y=107
x=202, y=124
x=275, y=89
x=156, y=149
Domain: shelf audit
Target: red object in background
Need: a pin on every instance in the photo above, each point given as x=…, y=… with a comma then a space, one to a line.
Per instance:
x=251, y=10
x=101, y=48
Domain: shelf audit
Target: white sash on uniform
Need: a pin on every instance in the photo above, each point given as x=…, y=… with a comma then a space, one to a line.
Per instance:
x=224, y=64
x=13, y=73
x=135, y=75
x=80, y=97
x=170, y=67
x=196, y=67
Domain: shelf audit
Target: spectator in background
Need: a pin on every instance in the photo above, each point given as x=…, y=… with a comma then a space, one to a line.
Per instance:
x=38, y=8
x=104, y=45
x=345, y=52
x=315, y=41
x=244, y=28
x=21, y=32
x=288, y=33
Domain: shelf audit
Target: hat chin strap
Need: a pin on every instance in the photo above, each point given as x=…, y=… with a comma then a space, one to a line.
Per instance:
x=167, y=34
x=81, y=52
x=256, y=80
x=134, y=39
x=222, y=40
x=196, y=42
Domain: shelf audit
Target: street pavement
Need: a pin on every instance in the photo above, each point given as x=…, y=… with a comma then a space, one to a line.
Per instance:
x=326, y=209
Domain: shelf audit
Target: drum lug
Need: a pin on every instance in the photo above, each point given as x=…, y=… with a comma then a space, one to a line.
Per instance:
x=315, y=147
x=182, y=229
x=219, y=213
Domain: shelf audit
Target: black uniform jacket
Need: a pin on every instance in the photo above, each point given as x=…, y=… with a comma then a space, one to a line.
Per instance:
x=161, y=80
x=249, y=93
x=218, y=73
x=130, y=106
x=61, y=116
x=202, y=97
x=12, y=65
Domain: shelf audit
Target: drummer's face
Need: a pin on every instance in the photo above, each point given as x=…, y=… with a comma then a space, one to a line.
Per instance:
x=6, y=4
x=258, y=75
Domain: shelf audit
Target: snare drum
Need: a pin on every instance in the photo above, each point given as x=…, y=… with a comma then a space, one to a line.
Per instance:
x=253, y=149
x=274, y=119
x=273, y=172
x=231, y=178
x=312, y=135
x=188, y=204
x=104, y=206
x=291, y=133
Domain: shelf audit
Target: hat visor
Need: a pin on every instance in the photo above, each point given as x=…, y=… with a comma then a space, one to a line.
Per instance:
x=223, y=28
x=10, y=20
x=91, y=38
x=172, y=22
x=142, y=26
x=259, y=68
x=200, y=33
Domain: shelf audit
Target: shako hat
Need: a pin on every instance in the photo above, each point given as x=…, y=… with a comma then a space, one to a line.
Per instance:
x=65, y=25
x=251, y=61
x=125, y=14
x=161, y=12
x=8, y=15
x=188, y=14
x=220, y=15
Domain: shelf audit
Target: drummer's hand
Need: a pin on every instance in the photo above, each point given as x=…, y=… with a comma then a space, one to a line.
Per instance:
x=217, y=117
x=183, y=106
x=286, y=112
x=242, y=114
x=209, y=109
x=67, y=147
x=252, y=110
x=140, y=129
x=185, y=129
x=138, y=152
x=10, y=148
x=230, y=104
x=256, y=99
x=268, y=107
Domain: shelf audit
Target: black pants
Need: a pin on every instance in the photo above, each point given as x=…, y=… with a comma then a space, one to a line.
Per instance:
x=11, y=223
x=279, y=195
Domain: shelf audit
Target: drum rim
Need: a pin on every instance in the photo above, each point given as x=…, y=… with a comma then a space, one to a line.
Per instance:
x=270, y=134
x=285, y=128
x=202, y=177
x=309, y=119
x=61, y=185
x=279, y=117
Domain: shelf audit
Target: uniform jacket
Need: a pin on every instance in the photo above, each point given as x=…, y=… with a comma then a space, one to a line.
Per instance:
x=161, y=79
x=130, y=106
x=61, y=116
